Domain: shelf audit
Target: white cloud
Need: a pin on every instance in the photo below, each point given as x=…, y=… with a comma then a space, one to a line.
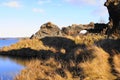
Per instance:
x=37, y=10
x=86, y=2
x=43, y=1
x=13, y=4
x=91, y=2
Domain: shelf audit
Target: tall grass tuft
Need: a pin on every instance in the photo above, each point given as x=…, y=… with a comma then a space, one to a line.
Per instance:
x=99, y=68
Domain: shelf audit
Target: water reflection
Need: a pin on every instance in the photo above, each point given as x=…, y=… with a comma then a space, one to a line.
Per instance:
x=10, y=67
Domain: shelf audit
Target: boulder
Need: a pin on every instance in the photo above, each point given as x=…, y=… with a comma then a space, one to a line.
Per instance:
x=47, y=29
x=113, y=7
x=72, y=30
x=99, y=28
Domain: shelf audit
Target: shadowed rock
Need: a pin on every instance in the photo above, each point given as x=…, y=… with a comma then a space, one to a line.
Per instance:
x=113, y=7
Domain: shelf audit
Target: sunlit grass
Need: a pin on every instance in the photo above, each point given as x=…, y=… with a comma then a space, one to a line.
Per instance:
x=99, y=68
x=34, y=44
x=116, y=64
x=86, y=63
x=87, y=39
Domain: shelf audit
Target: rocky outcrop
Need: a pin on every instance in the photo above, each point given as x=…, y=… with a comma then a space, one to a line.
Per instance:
x=72, y=30
x=98, y=28
x=75, y=29
x=95, y=28
x=47, y=29
x=113, y=7
x=50, y=29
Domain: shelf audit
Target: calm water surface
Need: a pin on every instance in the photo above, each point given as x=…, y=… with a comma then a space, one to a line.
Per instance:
x=7, y=42
x=8, y=67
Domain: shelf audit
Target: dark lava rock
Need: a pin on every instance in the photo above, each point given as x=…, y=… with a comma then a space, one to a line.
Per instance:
x=75, y=29
x=99, y=28
x=47, y=29
x=72, y=30
x=113, y=7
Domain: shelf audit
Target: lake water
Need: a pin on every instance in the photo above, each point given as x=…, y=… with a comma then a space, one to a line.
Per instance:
x=8, y=67
x=7, y=42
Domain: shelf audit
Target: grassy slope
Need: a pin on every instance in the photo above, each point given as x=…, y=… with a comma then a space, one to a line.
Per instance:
x=83, y=61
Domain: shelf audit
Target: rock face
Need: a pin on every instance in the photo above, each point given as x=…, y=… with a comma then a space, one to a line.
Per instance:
x=71, y=30
x=113, y=7
x=75, y=29
x=98, y=28
x=47, y=29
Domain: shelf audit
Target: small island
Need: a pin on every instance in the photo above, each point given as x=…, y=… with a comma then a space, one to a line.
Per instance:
x=69, y=54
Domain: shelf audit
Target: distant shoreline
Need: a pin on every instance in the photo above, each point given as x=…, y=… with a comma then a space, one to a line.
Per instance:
x=13, y=38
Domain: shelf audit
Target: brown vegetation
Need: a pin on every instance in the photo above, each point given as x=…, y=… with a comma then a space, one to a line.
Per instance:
x=68, y=58
x=89, y=57
x=94, y=65
x=34, y=44
x=116, y=64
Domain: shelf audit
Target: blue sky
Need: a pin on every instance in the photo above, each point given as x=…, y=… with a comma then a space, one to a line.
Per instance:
x=22, y=18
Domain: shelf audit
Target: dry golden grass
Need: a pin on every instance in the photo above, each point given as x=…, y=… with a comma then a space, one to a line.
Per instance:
x=34, y=44
x=86, y=63
x=116, y=64
x=87, y=39
x=40, y=70
x=99, y=68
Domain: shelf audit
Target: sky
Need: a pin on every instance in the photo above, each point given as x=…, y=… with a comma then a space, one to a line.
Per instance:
x=22, y=18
